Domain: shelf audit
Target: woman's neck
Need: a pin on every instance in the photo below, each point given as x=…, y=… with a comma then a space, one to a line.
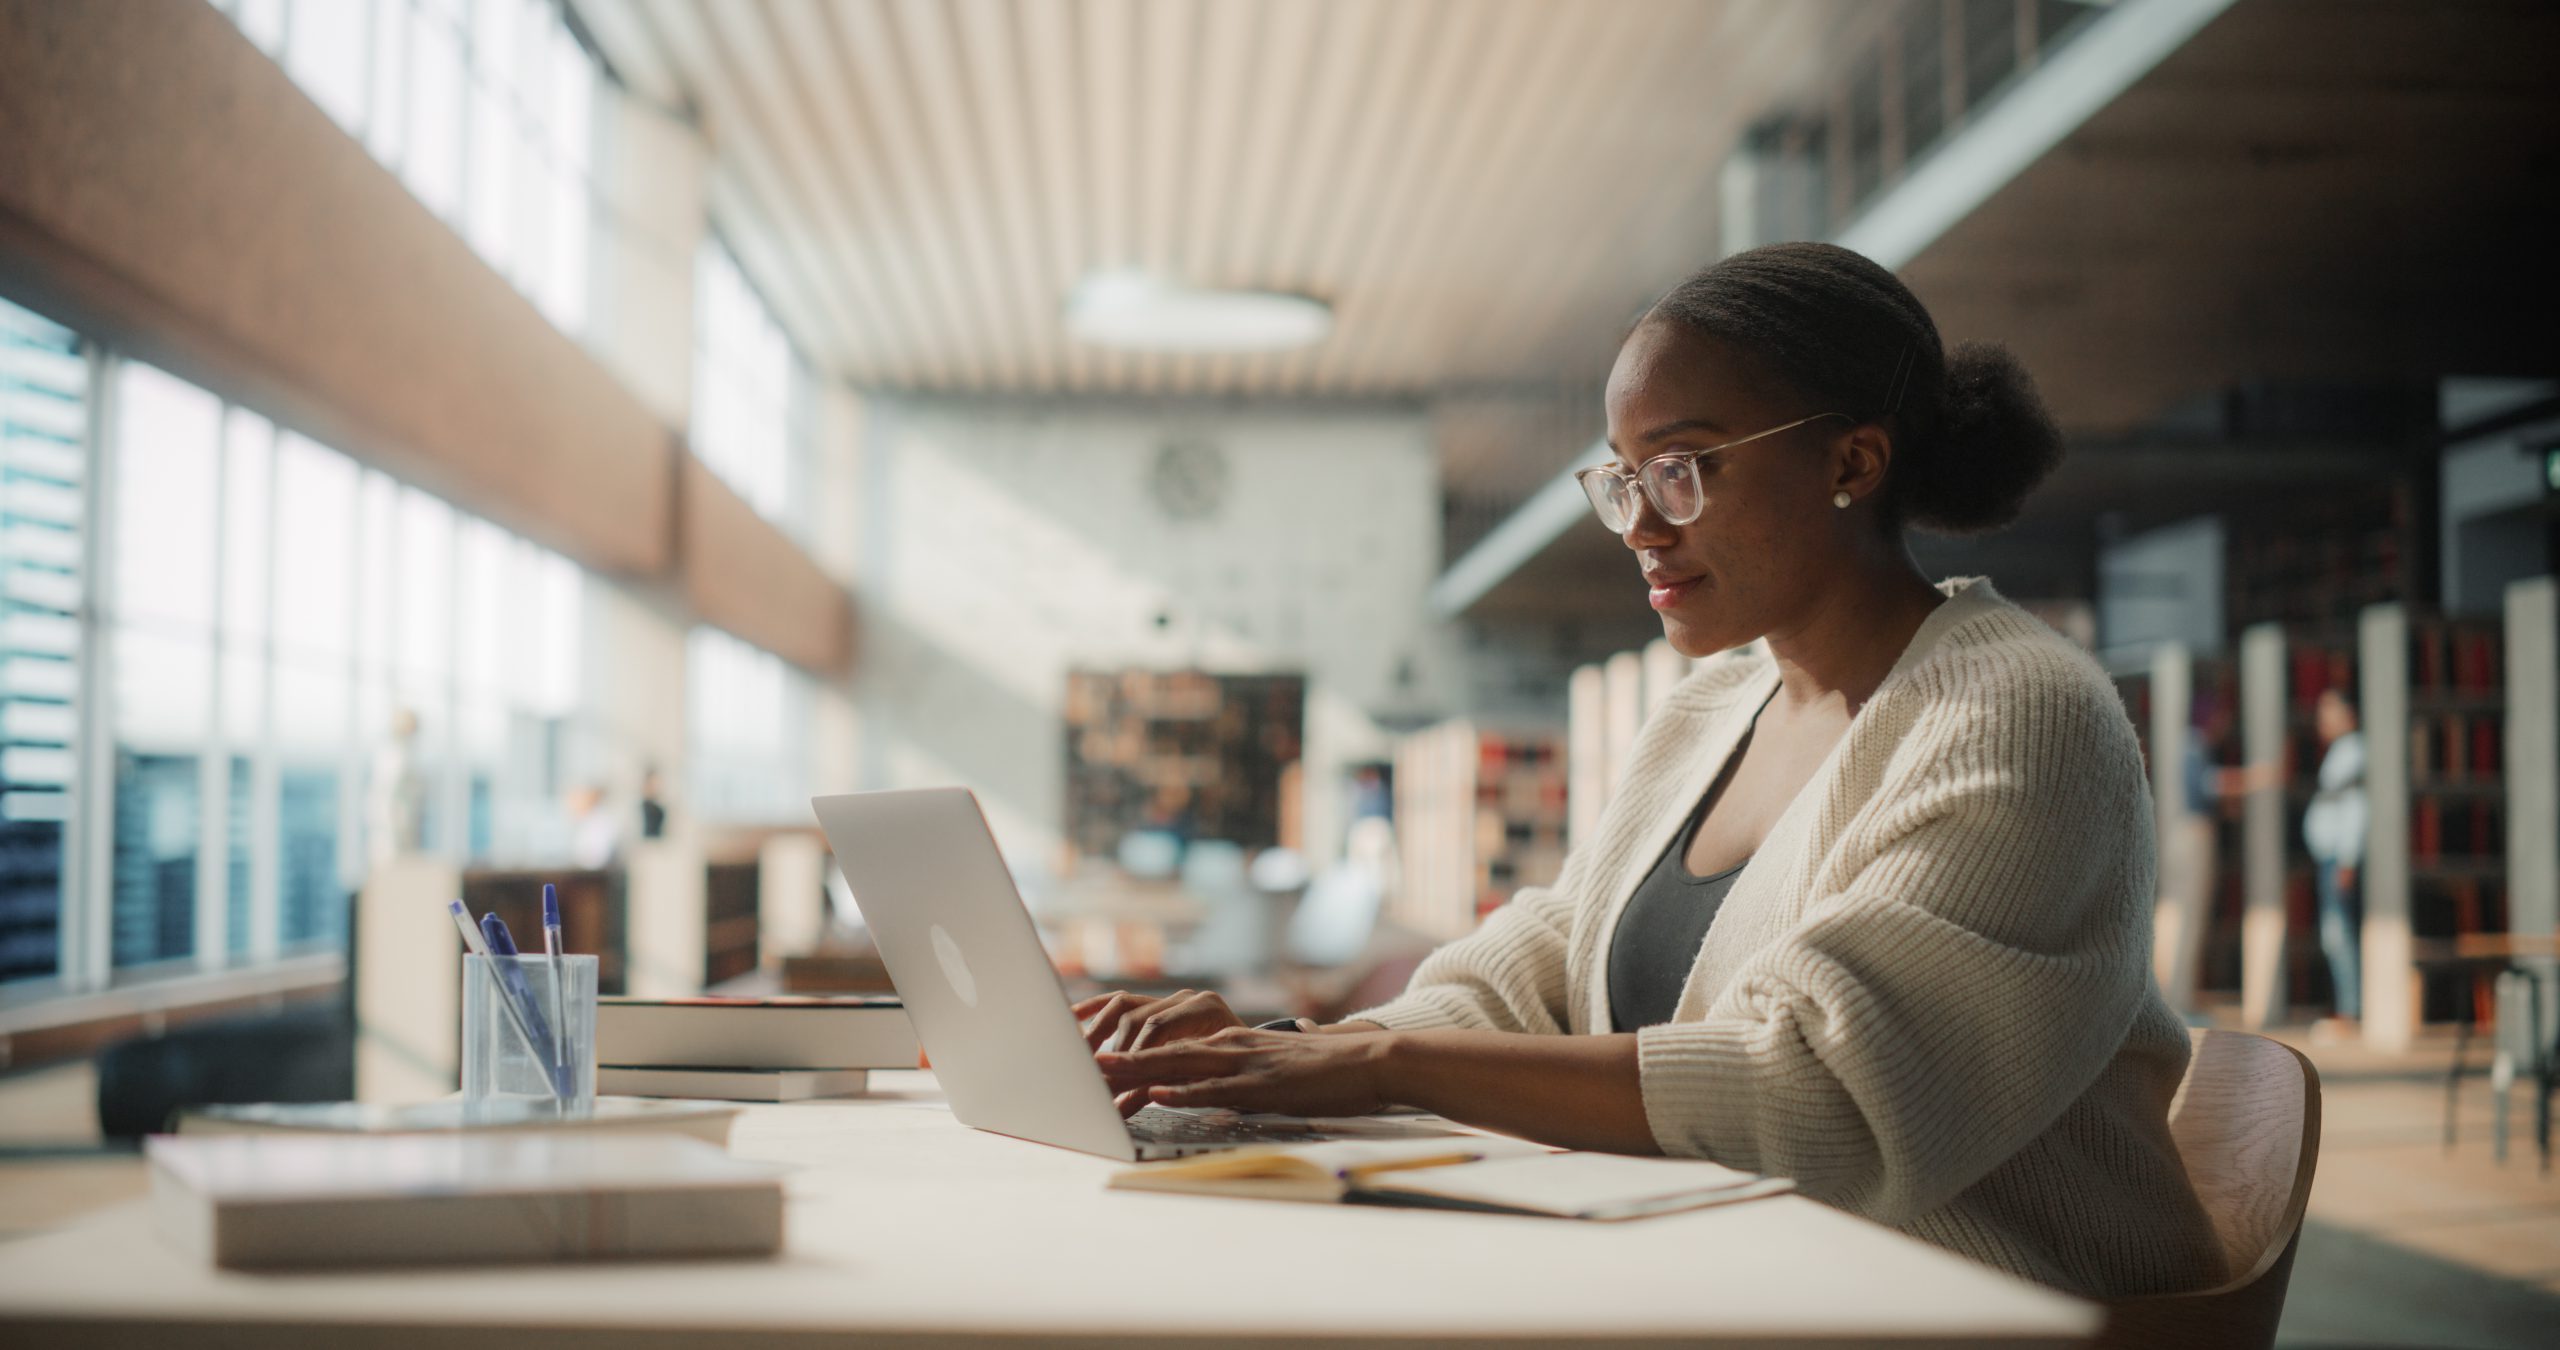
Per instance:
x=1850, y=637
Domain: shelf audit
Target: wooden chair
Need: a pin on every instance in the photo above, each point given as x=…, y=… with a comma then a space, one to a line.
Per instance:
x=2247, y=1121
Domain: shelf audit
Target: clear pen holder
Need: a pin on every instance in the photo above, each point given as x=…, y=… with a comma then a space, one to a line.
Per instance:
x=539, y=1060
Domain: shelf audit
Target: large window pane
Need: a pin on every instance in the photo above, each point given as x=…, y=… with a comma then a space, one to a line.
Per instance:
x=437, y=104
x=745, y=373
x=744, y=703
x=315, y=557
x=386, y=123
x=248, y=466
x=311, y=906
x=495, y=142
x=263, y=22
x=571, y=90
x=167, y=462
x=162, y=714
x=43, y=415
x=330, y=46
x=422, y=679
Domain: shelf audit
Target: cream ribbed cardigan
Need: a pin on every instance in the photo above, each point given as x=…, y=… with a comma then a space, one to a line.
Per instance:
x=1929, y=997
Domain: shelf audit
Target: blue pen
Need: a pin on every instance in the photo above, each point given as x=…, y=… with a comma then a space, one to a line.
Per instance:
x=552, y=946
x=479, y=946
x=502, y=950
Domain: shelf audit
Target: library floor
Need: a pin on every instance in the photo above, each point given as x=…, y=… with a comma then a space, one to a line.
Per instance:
x=2406, y=1245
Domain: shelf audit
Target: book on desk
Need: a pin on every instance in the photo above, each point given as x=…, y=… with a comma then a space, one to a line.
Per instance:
x=1483, y=1173
x=755, y=1033
x=706, y=1121
x=270, y=1200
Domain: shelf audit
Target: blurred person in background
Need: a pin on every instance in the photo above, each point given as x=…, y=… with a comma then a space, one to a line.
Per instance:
x=653, y=804
x=396, y=793
x=1871, y=907
x=2189, y=858
x=2333, y=832
x=595, y=837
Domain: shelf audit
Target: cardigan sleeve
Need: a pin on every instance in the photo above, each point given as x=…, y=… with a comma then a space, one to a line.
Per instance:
x=1962, y=989
x=1508, y=975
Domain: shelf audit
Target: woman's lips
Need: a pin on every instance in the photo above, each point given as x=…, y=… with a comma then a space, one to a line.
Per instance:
x=1668, y=591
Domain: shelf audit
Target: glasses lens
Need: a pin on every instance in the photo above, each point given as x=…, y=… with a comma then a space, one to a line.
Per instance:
x=1612, y=497
x=1672, y=482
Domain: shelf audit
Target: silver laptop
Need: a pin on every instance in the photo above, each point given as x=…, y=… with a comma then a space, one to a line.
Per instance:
x=987, y=1004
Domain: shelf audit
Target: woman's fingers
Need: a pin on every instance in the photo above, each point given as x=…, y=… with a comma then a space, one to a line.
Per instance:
x=1130, y=1103
x=1104, y=1014
x=1122, y=1021
x=1180, y=1017
x=1238, y=1092
x=1176, y=1063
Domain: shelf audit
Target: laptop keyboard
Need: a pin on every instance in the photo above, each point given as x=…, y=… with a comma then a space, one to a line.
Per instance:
x=1160, y=1125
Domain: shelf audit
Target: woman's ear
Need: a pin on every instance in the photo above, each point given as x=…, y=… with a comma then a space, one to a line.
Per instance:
x=1858, y=466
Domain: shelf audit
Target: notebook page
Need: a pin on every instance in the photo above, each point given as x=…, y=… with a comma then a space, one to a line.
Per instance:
x=1593, y=1185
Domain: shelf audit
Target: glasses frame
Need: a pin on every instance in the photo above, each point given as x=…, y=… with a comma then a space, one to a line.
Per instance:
x=1674, y=461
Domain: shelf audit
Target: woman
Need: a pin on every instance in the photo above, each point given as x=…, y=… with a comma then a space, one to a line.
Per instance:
x=1871, y=909
x=2334, y=829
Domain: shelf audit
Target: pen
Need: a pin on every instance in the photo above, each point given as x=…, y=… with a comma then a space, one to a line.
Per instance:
x=515, y=1017
x=551, y=948
x=502, y=944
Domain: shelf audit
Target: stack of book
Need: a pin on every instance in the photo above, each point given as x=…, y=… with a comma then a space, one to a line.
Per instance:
x=749, y=1049
x=281, y=1199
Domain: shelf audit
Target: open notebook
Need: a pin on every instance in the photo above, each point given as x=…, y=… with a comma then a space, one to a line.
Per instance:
x=1475, y=1172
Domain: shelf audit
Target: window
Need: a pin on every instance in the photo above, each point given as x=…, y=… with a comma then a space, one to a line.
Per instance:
x=44, y=388
x=303, y=661
x=744, y=702
x=485, y=108
x=751, y=427
x=750, y=413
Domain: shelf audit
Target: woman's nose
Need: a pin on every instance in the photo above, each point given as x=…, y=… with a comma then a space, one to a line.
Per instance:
x=1645, y=526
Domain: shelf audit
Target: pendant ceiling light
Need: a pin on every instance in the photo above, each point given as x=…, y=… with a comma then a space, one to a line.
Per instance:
x=1142, y=313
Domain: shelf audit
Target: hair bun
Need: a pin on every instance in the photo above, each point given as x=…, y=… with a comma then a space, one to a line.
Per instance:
x=1996, y=443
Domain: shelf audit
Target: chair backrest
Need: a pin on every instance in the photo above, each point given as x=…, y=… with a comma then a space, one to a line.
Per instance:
x=2247, y=1123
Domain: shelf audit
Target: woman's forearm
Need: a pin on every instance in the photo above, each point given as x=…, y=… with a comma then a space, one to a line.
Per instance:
x=1574, y=1091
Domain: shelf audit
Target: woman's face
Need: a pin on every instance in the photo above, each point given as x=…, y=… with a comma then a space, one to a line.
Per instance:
x=1750, y=563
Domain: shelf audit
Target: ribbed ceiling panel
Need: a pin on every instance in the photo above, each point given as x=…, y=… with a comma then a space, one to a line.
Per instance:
x=1484, y=189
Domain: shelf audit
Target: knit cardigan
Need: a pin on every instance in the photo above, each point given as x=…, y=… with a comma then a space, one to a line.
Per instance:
x=1928, y=999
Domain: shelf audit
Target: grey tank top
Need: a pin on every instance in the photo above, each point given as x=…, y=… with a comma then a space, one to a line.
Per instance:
x=1663, y=925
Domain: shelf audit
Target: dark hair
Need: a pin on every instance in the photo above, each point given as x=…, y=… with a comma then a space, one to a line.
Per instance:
x=1971, y=438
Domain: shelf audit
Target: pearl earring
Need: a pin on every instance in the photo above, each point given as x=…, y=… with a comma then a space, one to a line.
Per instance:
x=1841, y=499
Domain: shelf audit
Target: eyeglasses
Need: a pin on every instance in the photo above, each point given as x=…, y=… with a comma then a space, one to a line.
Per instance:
x=1670, y=481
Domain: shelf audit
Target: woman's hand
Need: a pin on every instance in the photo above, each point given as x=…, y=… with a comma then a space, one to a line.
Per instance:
x=1125, y=1021
x=1290, y=1072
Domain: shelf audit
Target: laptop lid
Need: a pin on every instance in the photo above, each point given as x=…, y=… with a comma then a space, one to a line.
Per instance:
x=961, y=948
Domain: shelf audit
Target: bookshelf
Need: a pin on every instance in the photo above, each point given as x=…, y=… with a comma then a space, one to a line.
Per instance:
x=1480, y=813
x=1607, y=704
x=2437, y=701
x=2211, y=732
x=2322, y=560
x=2457, y=794
x=1207, y=755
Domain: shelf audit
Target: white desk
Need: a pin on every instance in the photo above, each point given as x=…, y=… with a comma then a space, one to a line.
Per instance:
x=905, y=1228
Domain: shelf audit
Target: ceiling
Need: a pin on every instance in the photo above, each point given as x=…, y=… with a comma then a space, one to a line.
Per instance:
x=2310, y=196
x=2305, y=190
x=1487, y=191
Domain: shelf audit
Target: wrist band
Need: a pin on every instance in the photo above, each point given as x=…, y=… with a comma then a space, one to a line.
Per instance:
x=1288, y=1024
